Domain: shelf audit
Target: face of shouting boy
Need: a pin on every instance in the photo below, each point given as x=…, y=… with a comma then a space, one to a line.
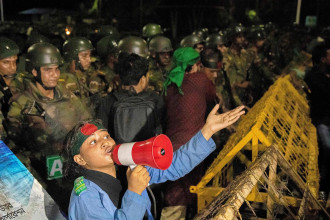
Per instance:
x=96, y=152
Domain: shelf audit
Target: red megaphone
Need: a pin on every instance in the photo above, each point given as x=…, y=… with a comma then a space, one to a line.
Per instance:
x=155, y=152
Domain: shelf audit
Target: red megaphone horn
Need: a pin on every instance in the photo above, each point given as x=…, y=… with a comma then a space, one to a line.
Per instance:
x=155, y=152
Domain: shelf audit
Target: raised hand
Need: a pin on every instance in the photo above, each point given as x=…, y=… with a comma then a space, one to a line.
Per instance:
x=215, y=121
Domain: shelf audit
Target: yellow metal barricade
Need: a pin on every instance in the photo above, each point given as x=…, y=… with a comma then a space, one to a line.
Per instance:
x=280, y=117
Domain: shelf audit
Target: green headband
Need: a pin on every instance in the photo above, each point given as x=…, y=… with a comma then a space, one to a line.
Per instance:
x=84, y=132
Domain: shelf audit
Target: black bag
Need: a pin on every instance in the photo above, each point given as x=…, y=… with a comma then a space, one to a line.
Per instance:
x=134, y=118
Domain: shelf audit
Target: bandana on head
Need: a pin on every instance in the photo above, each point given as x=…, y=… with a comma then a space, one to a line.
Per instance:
x=182, y=57
x=84, y=132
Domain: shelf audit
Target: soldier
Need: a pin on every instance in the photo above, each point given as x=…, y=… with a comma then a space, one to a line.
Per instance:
x=40, y=117
x=76, y=82
x=8, y=59
x=81, y=77
x=32, y=39
x=133, y=44
x=216, y=41
x=150, y=30
x=109, y=30
x=107, y=49
x=237, y=63
x=161, y=51
x=261, y=76
x=202, y=33
x=193, y=41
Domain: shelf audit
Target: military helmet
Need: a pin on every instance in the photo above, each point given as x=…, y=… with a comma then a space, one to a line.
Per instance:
x=133, y=44
x=8, y=48
x=213, y=40
x=42, y=54
x=151, y=29
x=75, y=45
x=236, y=30
x=202, y=33
x=269, y=27
x=160, y=44
x=109, y=30
x=36, y=38
x=256, y=33
x=191, y=41
x=106, y=46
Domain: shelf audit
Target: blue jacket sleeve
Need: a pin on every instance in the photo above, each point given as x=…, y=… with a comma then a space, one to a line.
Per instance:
x=184, y=159
x=134, y=206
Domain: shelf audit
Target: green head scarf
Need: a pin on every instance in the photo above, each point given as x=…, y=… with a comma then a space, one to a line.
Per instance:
x=182, y=57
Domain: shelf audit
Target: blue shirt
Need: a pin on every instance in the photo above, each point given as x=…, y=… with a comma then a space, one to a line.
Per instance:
x=94, y=203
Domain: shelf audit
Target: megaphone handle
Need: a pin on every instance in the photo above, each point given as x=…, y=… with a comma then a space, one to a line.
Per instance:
x=132, y=167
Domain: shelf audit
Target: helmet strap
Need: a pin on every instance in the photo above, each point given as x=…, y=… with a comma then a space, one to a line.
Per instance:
x=38, y=79
x=78, y=65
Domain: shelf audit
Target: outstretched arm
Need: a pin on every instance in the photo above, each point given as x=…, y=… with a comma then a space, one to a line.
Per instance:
x=216, y=122
x=197, y=148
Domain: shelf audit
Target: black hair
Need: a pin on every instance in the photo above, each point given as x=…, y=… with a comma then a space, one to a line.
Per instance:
x=319, y=52
x=72, y=169
x=131, y=67
x=189, y=68
x=210, y=54
x=202, y=43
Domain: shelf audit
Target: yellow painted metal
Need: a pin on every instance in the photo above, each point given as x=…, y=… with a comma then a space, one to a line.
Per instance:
x=280, y=117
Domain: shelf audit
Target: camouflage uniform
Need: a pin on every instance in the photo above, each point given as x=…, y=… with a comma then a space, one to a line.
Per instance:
x=237, y=68
x=3, y=134
x=42, y=123
x=261, y=77
x=39, y=124
x=17, y=86
x=157, y=76
x=159, y=67
x=109, y=76
x=96, y=81
x=107, y=49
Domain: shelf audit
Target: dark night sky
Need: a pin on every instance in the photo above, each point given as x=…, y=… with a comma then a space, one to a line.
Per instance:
x=282, y=11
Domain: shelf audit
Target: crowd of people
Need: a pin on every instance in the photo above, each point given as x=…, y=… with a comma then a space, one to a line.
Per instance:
x=138, y=87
